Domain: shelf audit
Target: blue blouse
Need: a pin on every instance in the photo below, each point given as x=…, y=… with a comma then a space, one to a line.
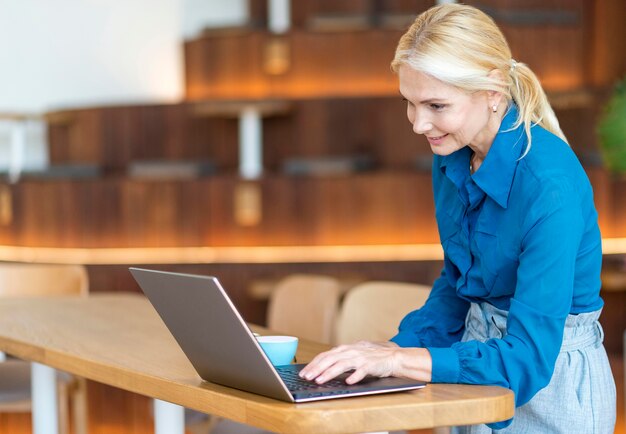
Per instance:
x=521, y=233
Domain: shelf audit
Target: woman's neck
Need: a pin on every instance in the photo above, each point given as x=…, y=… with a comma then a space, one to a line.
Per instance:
x=483, y=142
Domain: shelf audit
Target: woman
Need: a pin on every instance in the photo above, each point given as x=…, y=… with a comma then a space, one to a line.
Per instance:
x=517, y=303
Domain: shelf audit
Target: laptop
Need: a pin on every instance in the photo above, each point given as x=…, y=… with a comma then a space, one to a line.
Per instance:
x=223, y=350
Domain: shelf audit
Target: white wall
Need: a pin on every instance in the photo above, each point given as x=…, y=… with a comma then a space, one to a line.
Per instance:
x=79, y=53
x=198, y=14
x=72, y=53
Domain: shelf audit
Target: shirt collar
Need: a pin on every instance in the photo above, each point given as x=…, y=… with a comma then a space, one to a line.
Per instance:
x=495, y=176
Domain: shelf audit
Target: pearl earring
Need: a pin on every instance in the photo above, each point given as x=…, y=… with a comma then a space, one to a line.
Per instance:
x=494, y=108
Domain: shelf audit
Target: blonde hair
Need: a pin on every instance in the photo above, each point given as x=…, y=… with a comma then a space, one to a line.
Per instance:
x=460, y=46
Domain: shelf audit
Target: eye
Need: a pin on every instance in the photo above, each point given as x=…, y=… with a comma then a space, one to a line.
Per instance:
x=437, y=107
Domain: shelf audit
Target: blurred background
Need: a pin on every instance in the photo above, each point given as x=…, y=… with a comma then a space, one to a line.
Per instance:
x=254, y=139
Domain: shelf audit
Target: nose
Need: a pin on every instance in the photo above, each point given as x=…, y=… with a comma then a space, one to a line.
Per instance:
x=419, y=119
x=421, y=125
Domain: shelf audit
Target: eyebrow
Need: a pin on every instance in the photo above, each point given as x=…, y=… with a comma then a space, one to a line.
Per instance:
x=431, y=100
x=426, y=101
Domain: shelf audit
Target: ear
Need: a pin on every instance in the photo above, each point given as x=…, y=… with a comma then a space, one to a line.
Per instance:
x=494, y=96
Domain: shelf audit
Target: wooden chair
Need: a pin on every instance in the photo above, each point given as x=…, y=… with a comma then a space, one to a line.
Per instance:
x=305, y=305
x=27, y=280
x=373, y=310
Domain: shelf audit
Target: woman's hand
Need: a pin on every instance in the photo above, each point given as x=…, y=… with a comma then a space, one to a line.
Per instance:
x=379, y=359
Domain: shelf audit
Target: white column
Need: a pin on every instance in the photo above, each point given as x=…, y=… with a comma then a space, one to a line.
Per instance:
x=250, y=144
x=168, y=418
x=279, y=15
x=45, y=413
x=18, y=140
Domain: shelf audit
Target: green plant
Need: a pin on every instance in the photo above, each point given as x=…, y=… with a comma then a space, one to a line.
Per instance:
x=612, y=130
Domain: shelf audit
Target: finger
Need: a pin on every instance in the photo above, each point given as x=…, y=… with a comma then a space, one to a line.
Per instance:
x=324, y=360
x=335, y=370
x=356, y=376
x=319, y=365
x=313, y=369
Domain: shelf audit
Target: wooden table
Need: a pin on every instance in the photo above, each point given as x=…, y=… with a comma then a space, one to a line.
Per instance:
x=119, y=340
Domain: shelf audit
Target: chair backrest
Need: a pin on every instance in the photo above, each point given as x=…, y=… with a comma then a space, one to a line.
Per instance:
x=305, y=305
x=25, y=280
x=373, y=310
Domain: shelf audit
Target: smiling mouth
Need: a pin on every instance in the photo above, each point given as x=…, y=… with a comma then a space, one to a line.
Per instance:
x=437, y=138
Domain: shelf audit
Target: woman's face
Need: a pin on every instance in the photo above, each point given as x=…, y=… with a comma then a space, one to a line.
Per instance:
x=449, y=117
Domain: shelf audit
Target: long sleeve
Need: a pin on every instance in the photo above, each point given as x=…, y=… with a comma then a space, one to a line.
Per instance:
x=439, y=322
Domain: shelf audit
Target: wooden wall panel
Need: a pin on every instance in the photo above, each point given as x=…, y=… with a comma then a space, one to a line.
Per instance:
x=112, y=137
x=548, y=35
x=331, y=64
x=362, y=209
x=362, y=212
x=570, y=44
x=601, y=183
x=579, y=126
x=563, y=46
x=313, y=128
x=618, y=202
x=233, y=61
x=369, y=208
x=339, y=64
x=608, y=64
x=304, y=12
x=281, y=217
x=341, y=127
x=257, y=11
x=76, y=136
x=65, y=213
x=162, y=214
x=321, y=64
x=374, y=208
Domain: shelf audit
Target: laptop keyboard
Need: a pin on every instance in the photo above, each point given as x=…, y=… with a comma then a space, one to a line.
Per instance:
x=295, y=383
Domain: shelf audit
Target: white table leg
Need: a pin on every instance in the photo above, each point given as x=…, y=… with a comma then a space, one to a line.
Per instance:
x=168, y=418
x=44, y=395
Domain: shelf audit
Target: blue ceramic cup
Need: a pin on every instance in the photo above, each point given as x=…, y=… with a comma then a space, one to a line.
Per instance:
x=279, y=349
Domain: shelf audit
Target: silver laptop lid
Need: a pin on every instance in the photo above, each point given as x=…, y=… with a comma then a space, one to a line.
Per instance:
x=210, y=331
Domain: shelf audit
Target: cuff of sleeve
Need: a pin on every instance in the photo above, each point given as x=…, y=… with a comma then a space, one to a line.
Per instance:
x=405, y=339
x=500, y=425
x=446, y=365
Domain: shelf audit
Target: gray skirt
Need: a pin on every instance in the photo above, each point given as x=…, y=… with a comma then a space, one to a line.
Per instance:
x=580, y=397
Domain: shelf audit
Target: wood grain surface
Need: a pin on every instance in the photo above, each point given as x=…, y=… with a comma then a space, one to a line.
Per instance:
x=120, y=341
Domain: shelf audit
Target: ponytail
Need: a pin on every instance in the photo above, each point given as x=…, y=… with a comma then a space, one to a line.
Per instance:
x=533, y=106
